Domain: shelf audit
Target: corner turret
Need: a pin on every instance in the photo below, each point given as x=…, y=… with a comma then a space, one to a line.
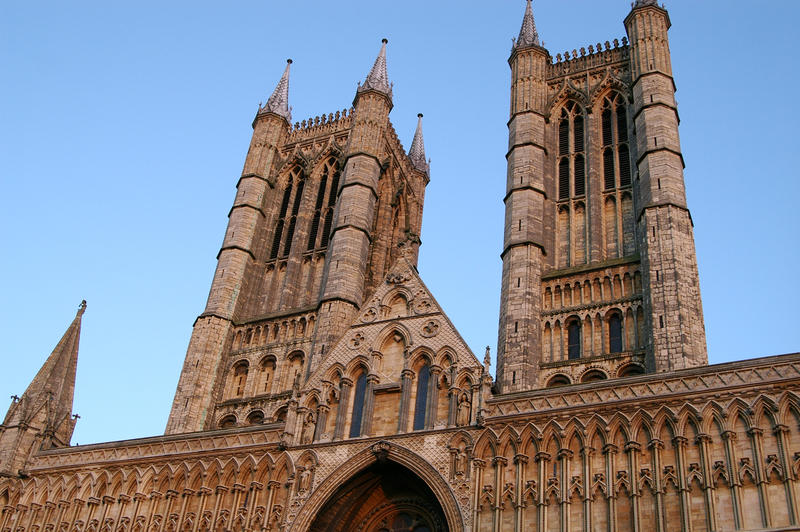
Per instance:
x=42, y=418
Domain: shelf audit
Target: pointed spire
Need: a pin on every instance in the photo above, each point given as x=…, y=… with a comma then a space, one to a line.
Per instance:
x=278, y=103
x=378, y=79
x=642, y=3
x=417, y=151
x=55, y=381
x=528, y=36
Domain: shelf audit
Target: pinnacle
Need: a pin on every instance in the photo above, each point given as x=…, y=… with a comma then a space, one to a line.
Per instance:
x=528, y=36
x=278, y=103
x=378, y=79
x=417, y=151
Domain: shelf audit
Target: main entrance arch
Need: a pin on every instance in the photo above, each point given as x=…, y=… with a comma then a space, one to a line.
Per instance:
x=385, y=488
x=384, y=497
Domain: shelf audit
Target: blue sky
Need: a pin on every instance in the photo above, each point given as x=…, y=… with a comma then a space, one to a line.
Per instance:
x=124, y=128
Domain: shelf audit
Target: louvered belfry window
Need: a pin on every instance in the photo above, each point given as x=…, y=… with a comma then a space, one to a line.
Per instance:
x=572, y=158
x=279, y=225
x=616, y=154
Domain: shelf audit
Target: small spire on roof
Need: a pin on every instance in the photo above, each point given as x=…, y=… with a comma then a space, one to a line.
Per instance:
x=528, y=36
x=642, y=3
x=378, y=79
x=278, y=103
x=417, y=151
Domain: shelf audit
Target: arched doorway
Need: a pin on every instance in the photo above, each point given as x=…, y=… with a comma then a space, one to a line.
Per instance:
x=384, y=497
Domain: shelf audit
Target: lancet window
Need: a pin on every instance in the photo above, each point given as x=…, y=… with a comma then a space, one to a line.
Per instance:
x=616, y=154
x=574, y=339
x=571, y=152
x=421, y=403
x=287, y=219
x=356, y=421
x=324, y=204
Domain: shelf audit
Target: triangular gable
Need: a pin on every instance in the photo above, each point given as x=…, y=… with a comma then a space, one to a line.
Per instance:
x=401, y=307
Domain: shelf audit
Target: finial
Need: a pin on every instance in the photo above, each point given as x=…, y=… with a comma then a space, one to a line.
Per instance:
x=278, y=103
x=378, y=79
x=487, y=359
x=528, y=36
x=417, y=151
x=82, y=308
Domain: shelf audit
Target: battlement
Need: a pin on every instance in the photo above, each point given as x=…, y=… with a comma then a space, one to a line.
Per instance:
x=326, y=123
x=583, y=59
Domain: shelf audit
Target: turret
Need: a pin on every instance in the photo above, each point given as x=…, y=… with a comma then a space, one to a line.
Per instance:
x=348, y=254
x=524, y=244
x=195, y=394
x=42, y=418
x=664, y=228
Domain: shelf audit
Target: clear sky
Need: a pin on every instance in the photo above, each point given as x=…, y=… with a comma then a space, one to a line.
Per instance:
x=124, y=128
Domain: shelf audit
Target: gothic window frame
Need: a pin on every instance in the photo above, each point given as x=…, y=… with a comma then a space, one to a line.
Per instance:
x=571, y=174
x=325, y=202
x=615, y=142
x=238, y=382
x=286, y=222
x=421, y=398
x=574, y=333
x=616, y=331
x=359, y=401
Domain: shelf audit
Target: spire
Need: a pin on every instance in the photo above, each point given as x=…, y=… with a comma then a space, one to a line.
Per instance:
x=47, y=403
x=417, y=151
x=378, y=79
x=56, y=379
x=278, y=103
x=528, y=35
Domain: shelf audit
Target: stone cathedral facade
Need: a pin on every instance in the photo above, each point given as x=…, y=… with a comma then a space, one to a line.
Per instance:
x=325, y=389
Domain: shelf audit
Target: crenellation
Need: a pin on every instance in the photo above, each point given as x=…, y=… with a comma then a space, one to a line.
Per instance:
x=599, y=57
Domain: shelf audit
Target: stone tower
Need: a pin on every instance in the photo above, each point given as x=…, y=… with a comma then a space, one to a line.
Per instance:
x=323, y=208
x=599, y=270
x=42, y=418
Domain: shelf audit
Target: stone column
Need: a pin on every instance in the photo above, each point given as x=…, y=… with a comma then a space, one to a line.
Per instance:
x=610, y=451
x=452, y=405
x=704, y=441
x=272, y=487
x=521, y=461
x=433, y=397
x=499, y=463
x=680, y=443
x=542, y=459
x=203, y=491
x=322, y=420
x=341, y=412
x=587, y=453
x=477, y=466
x=407, y=377
x=729, y=439
x=369, y=405
x=633, y=449
x=565, y=457
x=656, y=448
x=756, y=439
x=789, y=480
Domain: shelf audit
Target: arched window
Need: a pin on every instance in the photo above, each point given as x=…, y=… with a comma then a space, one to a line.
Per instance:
x=227, y=422
x=358, y=405
x=593, y=376
x=298, y=197
x=571, y=126
x=323, y=208
x=615, y=139
x=239, y=378
x=267, y=376
x=421, y=404
x=278, y=235
x=574, y=339
x=255, y=418
x=630, y=370
x=558, y=380
x=615, y=333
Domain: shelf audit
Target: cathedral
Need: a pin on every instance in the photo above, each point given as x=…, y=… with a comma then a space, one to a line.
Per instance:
x=325, y=389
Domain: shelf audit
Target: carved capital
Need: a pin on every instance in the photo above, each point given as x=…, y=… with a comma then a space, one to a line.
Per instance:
x=755, y=431
x=521, y=459
x=703, y=438
x=542, y=457
x=565, y=454
x=680, y=441
x=656, y=443
x=729, y=435
x=780, y=429
x=610, y=448
x=499, y=461
x=633, y=447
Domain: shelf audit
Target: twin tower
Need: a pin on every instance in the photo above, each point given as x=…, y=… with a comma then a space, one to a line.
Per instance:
x=599, y=271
